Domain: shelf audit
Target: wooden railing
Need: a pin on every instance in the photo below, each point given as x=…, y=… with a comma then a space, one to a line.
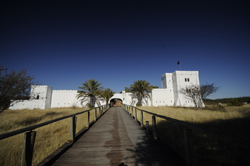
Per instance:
x=187, y=128
x=30, y=135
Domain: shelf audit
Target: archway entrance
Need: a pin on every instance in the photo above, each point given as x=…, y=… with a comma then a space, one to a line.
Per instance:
x=116, y=102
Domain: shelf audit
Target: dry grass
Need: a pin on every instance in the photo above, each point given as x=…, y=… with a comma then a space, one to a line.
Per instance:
x=231, y=121
x=48, y=138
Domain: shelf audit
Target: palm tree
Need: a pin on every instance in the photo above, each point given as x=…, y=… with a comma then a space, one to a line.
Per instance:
x=91, y=89
x=107, y=94
x=140, y=88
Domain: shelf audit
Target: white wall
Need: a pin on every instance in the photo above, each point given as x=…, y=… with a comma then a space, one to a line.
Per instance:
x=27, y=104
x=65, y=98
x=40, y=98
x=127, y=98
x=162, y=97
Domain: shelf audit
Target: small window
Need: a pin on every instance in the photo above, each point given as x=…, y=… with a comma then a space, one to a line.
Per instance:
x=58, y=103
x=186, y=79
x=156, y=101
x=159, y=101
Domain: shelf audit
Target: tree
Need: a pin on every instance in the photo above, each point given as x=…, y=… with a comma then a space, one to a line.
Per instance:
x=91, y=89
x=207, y=90
x=107, y=94
x=14, y=86
x=127, y=89
x=156, y=87
x=140, y=89
x=198, y=93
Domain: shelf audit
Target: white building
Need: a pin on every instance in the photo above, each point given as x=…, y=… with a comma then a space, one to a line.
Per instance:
x=43, y=97
x=169, y=94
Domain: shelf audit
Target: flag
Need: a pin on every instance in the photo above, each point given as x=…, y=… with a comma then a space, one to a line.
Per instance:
x=178, y=62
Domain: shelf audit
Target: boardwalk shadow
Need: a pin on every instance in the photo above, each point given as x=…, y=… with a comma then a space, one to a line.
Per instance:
x=150, y=152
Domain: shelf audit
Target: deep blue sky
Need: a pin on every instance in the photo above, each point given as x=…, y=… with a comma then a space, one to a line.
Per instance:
x=65, y=43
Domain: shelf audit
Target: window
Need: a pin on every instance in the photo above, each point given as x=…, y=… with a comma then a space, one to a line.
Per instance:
x=188, y=90
x=186, y=79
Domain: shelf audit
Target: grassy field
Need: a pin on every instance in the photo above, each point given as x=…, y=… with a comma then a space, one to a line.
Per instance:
x=233, y=122
x=230, y=121
x=48, y=138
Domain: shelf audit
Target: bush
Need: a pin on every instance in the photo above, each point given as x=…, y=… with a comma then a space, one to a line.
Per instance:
x=90, y=105
x=137, y=104
x=221, y=107
x=218, y=107
x=235, y=102
x=74, y=106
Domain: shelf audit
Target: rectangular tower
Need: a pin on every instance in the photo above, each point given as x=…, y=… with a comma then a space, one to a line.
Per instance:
x=184, y=79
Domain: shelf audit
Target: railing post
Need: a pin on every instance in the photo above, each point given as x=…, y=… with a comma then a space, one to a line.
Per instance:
x=147, y=125
x=28, y=147
x=135, y=114
x=132, y=111
x=187, y=139
x=87, y=121
x=95, y=115
x=72, y=129
x=154, y=127
x=99, y=112
x=141, y=118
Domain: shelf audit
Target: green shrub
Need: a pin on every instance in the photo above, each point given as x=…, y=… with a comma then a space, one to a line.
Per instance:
x=90, y=105
x=137, y=104
x=235, y=102
x=221, y=107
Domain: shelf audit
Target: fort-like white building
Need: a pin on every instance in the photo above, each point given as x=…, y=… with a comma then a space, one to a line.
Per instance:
x=43, y=97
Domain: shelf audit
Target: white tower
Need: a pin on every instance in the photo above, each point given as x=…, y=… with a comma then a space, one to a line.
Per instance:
x=41, y=93
x=183, y=79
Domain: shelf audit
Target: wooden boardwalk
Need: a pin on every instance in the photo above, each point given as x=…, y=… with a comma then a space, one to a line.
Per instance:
x=116, y=140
